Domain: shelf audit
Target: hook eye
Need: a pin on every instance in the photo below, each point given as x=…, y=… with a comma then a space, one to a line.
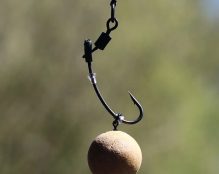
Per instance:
x=111, y=28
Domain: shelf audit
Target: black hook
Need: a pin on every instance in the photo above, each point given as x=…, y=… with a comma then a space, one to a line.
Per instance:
x=101, y=43
x=118, y=117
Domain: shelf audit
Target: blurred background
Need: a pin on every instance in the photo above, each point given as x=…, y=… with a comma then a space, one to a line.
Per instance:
x=165, y=52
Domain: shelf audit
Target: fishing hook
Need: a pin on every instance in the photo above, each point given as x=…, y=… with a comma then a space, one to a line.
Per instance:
x=101, y=43
x=118, y=117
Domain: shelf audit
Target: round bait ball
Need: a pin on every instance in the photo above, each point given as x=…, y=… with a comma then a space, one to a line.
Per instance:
x=114, y=152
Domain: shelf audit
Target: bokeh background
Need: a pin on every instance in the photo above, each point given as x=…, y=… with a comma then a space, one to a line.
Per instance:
x=165, y=52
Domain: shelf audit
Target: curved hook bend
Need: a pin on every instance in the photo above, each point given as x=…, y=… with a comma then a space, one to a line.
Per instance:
x=140, y=108
x=119, y=118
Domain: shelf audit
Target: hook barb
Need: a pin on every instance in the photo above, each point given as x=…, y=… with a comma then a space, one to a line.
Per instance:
x=135, y=101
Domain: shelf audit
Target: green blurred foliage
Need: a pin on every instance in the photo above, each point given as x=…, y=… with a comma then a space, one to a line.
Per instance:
x=165, y=52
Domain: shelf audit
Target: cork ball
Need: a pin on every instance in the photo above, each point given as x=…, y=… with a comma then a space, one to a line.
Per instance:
x=114, y=152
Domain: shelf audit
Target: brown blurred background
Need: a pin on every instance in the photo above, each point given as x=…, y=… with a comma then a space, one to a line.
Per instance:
x=165, y=52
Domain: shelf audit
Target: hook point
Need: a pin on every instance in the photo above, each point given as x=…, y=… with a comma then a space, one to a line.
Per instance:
x=133, y=98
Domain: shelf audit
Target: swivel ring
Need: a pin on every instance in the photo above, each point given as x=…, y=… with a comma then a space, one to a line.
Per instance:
x=111, y=28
